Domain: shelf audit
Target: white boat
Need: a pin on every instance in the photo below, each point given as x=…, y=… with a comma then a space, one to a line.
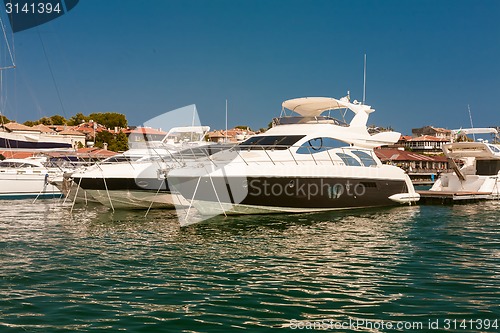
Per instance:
x=27, y=178
x=303, y=164
x=136, y=178
x=480, y=173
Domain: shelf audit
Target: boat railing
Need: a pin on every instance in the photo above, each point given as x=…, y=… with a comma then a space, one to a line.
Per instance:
x=288, y=120
x=283, y=154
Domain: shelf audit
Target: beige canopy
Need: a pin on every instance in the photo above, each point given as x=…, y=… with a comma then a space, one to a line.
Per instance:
x=314, y=106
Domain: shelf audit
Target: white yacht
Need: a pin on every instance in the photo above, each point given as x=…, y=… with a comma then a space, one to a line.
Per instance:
x=27, y=178
x=136, y=178
x=305, y=163
x=479, y=173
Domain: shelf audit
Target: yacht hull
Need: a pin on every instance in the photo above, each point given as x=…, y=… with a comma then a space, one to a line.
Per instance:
x=129, y=199
x=263, y=195
x=127, y=193
x=21, y=186
x=71, y=191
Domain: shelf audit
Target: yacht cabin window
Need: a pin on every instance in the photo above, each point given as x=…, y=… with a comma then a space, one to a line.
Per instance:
x=487, y=167
x=348, y=159
x=121, y=158
x=365, y=158
x=494, y=149
x=318, y=145
x=277, y=142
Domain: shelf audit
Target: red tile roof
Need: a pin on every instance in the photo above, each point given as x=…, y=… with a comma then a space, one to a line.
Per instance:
x=405, y=137
x=43, y=128
x=71, y=132
x=19, y=127
x=95, y=152
x=17, y=154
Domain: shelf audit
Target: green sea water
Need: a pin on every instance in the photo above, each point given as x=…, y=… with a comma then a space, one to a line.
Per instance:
x=403, y=269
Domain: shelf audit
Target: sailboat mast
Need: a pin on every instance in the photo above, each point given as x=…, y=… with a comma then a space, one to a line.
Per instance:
x=13, y=64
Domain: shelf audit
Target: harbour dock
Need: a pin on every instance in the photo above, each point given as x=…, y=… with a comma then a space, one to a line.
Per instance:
x=445, y=198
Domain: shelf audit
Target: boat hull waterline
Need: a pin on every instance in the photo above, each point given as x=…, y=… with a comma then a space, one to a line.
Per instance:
x=223, y=195
x=25, y=186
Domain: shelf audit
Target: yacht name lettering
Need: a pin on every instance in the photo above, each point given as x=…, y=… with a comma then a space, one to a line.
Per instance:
x=298, y=188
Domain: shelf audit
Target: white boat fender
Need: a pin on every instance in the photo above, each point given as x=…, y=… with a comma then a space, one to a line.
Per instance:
x=405, y=197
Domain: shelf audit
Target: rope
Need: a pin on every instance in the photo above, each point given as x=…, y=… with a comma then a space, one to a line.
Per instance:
x=152, y=201
x=76, y=195
x=8, y=47
x=192, y=199
x=107, y=192
x=52, y=74
x=43, y=188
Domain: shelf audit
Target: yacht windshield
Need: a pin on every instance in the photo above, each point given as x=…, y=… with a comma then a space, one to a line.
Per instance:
x=11, y=164
x=320, y=144
x=494, y=149
x=121, y=159
x=201, y=151
x=278, y=142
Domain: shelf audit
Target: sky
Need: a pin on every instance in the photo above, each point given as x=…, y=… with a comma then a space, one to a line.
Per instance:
x=428, y=62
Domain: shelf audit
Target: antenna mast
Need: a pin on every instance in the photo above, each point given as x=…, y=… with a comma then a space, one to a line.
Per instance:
x=364, y=81
x=471, y=125
x=225, y=135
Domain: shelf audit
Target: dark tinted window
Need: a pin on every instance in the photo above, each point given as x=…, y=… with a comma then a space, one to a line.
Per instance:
x=201, y=151
x=365, y=158
x=494, y=149
x=487, y=167
x=270, y=142
x=121, y=158
x=348, y=159
x=317, y=145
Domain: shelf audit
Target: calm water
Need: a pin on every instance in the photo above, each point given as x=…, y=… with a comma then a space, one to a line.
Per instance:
x=93, y=270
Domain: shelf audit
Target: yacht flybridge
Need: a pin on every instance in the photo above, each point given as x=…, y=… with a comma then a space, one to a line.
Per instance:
x=479, y=176
x=310, y=162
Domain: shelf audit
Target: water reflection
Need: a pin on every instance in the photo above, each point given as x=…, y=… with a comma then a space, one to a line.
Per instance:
x=94, y=269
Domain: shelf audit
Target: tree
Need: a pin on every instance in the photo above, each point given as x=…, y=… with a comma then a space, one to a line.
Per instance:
x=57, y=120
x=77, y=119
x=117, y=142
x=4, y=119
x=109, y=119
x=29, y=123
x=44, y=120
x=121, y=142
x=103, y=137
